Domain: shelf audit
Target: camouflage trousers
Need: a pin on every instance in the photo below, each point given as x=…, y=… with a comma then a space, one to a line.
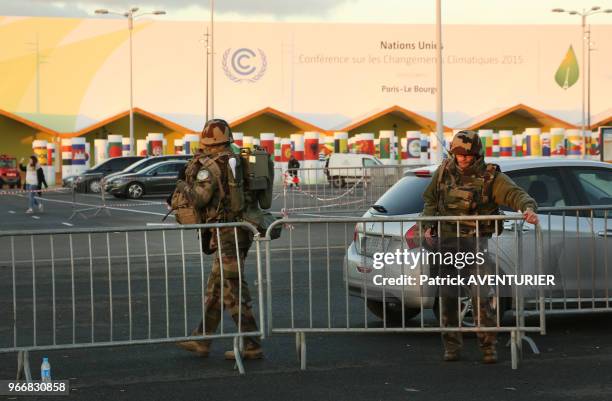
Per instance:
x=228, y=292
x=483, y=297
x=484, y=310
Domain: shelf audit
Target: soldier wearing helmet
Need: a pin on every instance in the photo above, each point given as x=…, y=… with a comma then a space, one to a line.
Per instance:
x=464, y=185
x=213, y=189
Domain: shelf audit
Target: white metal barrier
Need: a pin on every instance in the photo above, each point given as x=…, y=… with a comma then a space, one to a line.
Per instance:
x=324, y=270
x=84, y=288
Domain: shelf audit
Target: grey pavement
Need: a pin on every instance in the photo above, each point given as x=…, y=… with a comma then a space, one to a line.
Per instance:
x=574, y=364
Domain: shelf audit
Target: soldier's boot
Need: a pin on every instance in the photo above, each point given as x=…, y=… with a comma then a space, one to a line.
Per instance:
x=489, y=355
x=251, y=351
x=199, y=347
x=487, y=345
x=451, y=356
x=453, y=341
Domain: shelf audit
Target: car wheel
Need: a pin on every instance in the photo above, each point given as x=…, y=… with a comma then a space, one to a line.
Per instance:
x=393, y=312
x=465, y=313
x=135, y=190
x=467, y=309
x=94, y=186
x=338, y=182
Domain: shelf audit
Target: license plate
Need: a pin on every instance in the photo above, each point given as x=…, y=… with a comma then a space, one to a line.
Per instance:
x=371, y=244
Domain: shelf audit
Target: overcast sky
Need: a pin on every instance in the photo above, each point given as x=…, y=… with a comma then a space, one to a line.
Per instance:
x=368, y=11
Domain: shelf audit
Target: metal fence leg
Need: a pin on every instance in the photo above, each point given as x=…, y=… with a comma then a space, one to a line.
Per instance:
x=238, y=355
x=19, y=365
x=531, y=343
x=514, y=348
x=23, y=366
x=26, y=366
x=303, y=351
x=298, y=350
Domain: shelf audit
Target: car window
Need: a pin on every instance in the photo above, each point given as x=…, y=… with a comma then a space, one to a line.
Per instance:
x=120, y=164
x=139, y=165
x=369, y=163
x=596, y=184
x=544, y=185
x=167, y=168
x=404, y=197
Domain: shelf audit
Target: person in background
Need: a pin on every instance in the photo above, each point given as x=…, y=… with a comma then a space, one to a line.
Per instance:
x=35, y=179
x=292, y=166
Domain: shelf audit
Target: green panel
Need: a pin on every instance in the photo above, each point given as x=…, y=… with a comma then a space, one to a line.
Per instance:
x=515, y=122
x=267, y=123
x=142, y=127
x=16, y=138
x=386, y=122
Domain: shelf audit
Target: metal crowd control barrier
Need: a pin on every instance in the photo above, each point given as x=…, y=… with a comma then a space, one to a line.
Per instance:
x=83, y=288
x=577, y=249
x=97, y=209
x=332, y=284
x=335, y=189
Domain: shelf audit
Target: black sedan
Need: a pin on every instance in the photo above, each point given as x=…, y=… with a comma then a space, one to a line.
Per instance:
x=158, y=179
x=89, y=181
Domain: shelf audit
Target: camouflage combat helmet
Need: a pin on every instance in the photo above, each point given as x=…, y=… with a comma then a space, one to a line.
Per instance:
x=216, y=132
x=466, y=143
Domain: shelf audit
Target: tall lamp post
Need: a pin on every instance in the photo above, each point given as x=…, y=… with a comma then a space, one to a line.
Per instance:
x=131, y=15
x=586, y=65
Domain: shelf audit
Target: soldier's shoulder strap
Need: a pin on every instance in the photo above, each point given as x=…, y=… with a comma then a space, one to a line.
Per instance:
x=210, y=164
x=490, y=173
x=439, y=184
x=441, y=171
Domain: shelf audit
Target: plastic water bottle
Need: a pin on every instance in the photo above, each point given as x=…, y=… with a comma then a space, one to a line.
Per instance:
x=45, y=370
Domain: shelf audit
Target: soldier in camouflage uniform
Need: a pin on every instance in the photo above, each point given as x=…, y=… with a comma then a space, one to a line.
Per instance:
x=465, y=185
x=213, y=186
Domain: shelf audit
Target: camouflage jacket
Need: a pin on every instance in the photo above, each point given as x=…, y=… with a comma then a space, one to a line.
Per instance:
x=443, y=197
x=207, y=188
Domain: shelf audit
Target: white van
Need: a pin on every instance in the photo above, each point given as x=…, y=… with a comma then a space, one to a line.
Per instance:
x=349, y=168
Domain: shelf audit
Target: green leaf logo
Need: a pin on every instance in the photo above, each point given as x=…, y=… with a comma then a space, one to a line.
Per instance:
x=567, y=73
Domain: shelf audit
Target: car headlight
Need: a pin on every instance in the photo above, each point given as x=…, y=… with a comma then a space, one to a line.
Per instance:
x=117, y=181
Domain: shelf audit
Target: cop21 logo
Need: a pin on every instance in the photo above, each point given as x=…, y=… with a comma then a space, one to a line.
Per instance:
x=244, y=64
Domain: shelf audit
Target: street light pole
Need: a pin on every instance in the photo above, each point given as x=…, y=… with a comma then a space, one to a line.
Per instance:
x=586, y=64
x=439, y=104
x=130, y=15
x=584, y=85
x=212, y=59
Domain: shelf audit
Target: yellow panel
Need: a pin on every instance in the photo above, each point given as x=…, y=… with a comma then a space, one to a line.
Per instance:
x=18, y=37
x=77, y=63
x=267, y=123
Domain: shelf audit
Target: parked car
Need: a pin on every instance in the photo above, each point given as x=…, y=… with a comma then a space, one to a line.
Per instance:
x=89, y=181
x=567, y=237
x=9, y=173
x=349, y=168
x=159, y=178
x=146, y=162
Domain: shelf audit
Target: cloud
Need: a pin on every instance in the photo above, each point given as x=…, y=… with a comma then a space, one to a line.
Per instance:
x=81, y=8
x=33, y=8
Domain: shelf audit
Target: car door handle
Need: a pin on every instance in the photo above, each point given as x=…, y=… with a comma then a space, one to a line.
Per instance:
x=605, y=233
x=509, y=226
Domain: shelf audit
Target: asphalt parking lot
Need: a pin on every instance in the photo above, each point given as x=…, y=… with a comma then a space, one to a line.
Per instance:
x=574, y=364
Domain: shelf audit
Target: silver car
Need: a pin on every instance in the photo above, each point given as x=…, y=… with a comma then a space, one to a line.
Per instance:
x=575, y=248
